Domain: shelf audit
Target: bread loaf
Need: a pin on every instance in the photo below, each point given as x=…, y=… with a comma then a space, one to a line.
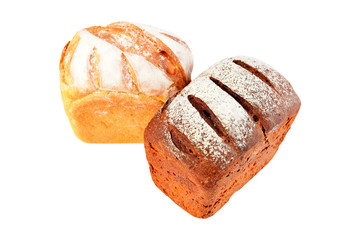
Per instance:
x=114, y=78
x=207, y=142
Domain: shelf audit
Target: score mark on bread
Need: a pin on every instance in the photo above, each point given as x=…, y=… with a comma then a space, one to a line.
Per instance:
x=104, y=68
x=234, y=117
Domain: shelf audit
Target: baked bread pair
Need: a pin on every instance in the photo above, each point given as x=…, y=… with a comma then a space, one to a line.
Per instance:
x=211, y=136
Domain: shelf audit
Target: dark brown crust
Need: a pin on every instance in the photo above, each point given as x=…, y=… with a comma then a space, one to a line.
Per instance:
x=185, y=189
x=256, y=72
x=254, y=113
x=182, y=143
x=199, y=186
x=210, y=118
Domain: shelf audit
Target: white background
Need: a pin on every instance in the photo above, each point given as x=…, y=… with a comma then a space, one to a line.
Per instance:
x=53, y=186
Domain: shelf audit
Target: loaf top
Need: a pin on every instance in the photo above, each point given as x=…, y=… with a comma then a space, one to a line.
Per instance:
x=126, y=57
x=225, y=111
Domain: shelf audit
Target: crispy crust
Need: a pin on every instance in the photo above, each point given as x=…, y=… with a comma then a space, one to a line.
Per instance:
x=109, y=116
x=186, y=187
x=161, y=55
x=199, y=183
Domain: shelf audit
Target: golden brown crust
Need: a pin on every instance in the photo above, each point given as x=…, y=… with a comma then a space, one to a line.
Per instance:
x=161, y=55
x=111, y=117
x=62, y=63
x=102, y=115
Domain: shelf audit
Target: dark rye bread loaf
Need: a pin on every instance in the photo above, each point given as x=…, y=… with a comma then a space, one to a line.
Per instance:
x=218, y=132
